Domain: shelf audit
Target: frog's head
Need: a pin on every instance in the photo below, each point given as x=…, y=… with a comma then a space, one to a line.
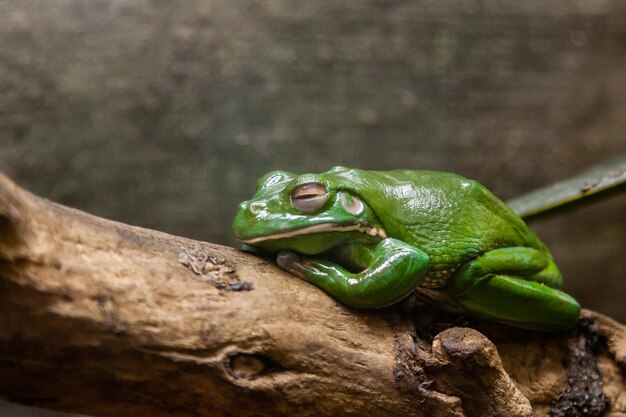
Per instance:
x=308, y=213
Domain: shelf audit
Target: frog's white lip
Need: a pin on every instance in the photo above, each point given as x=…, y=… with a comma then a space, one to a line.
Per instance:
x=320, y=228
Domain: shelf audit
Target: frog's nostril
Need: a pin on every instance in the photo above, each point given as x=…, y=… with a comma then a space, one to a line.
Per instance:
x=256, y=207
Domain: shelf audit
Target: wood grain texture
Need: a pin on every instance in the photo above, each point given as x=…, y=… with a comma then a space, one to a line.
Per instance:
x=107, y=319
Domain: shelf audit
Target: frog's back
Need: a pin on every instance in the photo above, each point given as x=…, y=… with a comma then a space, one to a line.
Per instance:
x=451, y=218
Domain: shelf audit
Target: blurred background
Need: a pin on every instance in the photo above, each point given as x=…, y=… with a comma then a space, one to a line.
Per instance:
x=163, y=113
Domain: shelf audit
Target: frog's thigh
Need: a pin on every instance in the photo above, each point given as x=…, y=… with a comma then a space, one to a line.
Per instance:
x=395, y=270
x=497, y=285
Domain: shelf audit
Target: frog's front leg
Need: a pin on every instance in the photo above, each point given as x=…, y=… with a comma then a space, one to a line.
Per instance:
x=513, y=285
x=392, y=269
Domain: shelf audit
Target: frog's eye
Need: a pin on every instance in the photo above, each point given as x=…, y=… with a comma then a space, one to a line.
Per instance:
x=309, y=198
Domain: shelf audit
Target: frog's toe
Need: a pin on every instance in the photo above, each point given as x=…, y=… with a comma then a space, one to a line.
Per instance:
x=294, y=264
x=286, y=259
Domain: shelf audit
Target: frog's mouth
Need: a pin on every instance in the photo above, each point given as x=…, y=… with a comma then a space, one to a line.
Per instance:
x=321, y=228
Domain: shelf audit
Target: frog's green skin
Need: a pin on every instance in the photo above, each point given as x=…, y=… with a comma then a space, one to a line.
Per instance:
x=379, y=235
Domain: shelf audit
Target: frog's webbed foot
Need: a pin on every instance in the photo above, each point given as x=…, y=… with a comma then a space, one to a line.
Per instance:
x=288, y=260
x=394, y=271
x=296, y=264
x=515, y=285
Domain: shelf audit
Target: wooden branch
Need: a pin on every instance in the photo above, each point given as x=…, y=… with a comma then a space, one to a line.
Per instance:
x=107, y=319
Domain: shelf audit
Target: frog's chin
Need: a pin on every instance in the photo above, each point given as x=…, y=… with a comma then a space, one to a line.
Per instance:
x=319, y=228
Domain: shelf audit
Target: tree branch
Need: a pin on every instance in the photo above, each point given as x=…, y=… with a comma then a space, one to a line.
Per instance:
x=107, y=319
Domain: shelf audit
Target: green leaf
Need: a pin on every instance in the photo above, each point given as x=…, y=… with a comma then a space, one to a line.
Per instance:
x=597, y=181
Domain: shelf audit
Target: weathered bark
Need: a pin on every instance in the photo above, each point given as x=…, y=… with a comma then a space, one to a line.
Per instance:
x=108, y=319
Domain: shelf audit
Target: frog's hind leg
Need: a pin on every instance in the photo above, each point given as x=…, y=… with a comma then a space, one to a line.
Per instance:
x=515, y=286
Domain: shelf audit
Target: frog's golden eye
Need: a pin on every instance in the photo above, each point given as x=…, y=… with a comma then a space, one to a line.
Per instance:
x=309, y=198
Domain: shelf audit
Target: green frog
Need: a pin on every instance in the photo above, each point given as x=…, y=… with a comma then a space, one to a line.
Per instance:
x=370, y=238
